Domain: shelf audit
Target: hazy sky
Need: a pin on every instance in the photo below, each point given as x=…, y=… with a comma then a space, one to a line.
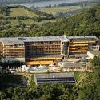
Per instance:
x=82, y=0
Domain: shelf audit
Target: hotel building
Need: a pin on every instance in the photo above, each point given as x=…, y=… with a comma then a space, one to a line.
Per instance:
x=12, y=49
x=54, y=78
x=46, y=50
x=79, y=45
x=43, y=50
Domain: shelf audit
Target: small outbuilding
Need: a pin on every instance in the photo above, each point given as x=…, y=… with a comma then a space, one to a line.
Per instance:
x=54, y=78
x=91, y=54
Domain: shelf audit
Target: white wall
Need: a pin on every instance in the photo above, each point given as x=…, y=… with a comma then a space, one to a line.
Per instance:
x=90, y=55
x=13, y=59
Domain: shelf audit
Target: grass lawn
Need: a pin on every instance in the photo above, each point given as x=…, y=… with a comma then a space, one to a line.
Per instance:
x=14, y=22
x=21, y=12
x=45, y=21
x=24, y=12
x=1, y=15
x=55, y=10
x=28, y=22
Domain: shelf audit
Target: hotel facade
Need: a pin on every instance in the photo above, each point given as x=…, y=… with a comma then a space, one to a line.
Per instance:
x=46, y=50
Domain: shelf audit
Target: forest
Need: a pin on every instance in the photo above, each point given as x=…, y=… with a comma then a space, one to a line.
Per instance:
x=87, y=87
x=84, y=23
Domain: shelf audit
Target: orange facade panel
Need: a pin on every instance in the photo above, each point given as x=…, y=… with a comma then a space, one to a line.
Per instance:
x=83, y=41
x=39, y=63
x=48, y=58
x=78, y=45
x=15, y=48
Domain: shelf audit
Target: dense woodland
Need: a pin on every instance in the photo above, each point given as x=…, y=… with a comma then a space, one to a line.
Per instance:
x=84, y=23
x=87, y=87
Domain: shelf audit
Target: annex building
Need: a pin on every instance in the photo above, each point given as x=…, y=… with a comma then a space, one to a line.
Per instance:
x=46, y=50
x=54, y=78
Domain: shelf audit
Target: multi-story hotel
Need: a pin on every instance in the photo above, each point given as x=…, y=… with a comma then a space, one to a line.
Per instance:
x=79, y=45
x=43, y=50
x=48, y=49
x=12, y=49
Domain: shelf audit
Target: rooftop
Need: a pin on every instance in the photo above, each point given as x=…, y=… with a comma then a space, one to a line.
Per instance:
x=11, y=40
x=95, y=53
x=83, y=37
x=70, y=64
x=54, y=78
x=44, y=38
x=21, y=40
x=55, y=75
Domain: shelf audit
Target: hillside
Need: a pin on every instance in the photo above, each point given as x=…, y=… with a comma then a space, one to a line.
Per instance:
x=19, y=1
x=30, y=1
x=57, y=10
x=2, y=10
x=14, y=14
x=84, y=23
x=21, y=12
x=16, y=11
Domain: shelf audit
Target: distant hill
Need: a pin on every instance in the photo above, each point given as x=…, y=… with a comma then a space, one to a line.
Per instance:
x=21, y=11
x=29, y=1
x=14, y=11
x=18, y=1
x=85, y=23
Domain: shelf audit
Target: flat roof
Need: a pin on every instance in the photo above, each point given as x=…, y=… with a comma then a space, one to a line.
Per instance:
x=44, y=38
x=54, y=75
x=71, y=64
x=95, y=53
x=21, y=40
x=82, y=37
x=11, y=40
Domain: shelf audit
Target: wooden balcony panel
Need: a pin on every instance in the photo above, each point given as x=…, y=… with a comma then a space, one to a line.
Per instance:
x=78, y=51
x=84, y=41
x=79, y=45
x=14, y=48
x=75, y=48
